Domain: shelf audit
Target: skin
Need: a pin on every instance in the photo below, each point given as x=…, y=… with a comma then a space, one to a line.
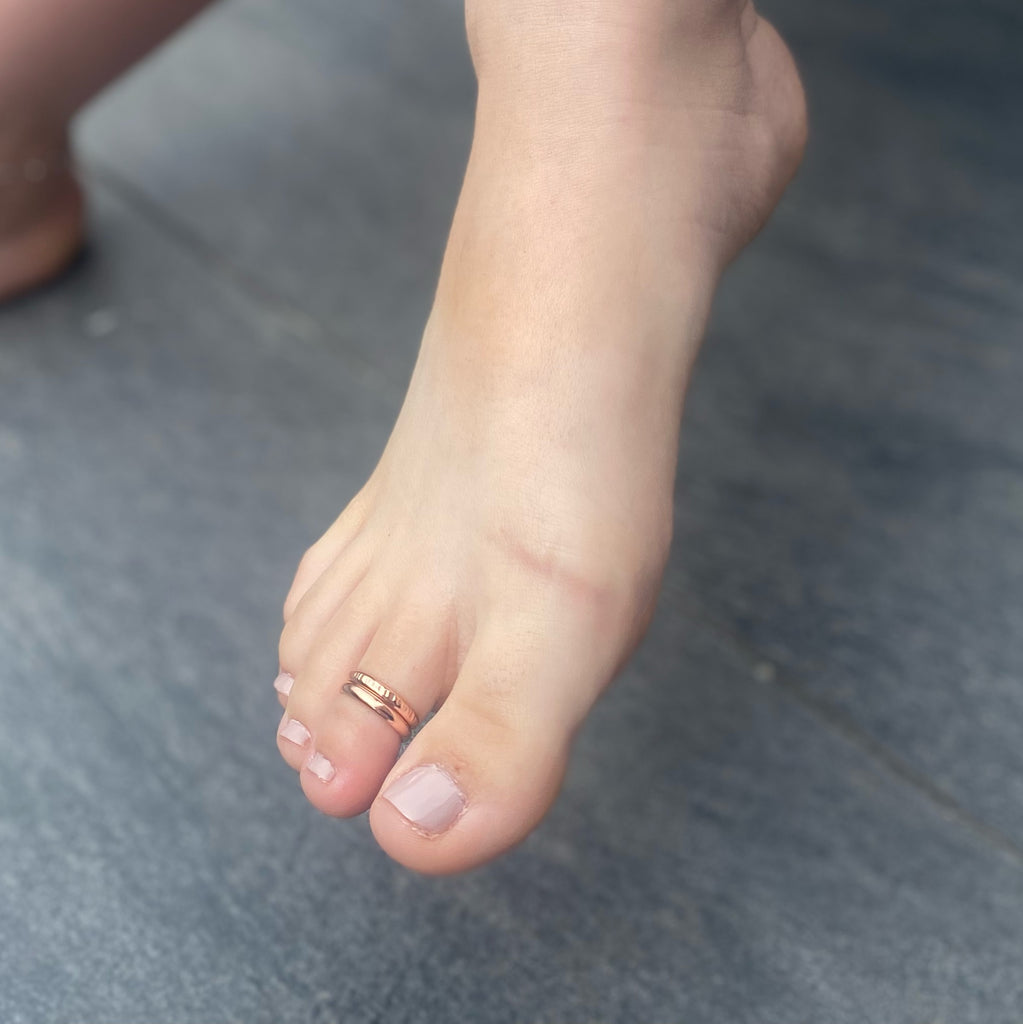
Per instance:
x=504, y=558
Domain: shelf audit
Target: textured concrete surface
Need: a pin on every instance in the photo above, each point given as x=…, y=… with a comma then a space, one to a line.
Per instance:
x=804, y=800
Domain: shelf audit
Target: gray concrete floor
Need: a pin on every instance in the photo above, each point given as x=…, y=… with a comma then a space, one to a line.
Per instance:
x=804, y=800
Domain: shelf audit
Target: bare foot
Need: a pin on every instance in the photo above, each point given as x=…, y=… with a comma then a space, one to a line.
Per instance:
x=41, y=206
x=505, y=556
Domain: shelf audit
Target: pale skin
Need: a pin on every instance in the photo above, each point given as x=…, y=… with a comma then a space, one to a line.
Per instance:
x=504, y=558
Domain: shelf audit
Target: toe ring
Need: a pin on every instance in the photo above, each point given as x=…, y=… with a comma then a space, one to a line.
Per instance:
x=390, y=706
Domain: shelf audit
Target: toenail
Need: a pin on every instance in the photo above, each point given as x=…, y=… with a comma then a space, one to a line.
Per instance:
x=292, y=729
x=321, y=767
x=428, y=797
x=283, y=683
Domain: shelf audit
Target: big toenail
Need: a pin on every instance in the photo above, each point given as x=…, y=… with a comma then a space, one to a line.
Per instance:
x=321, y=767
x=292, y=729
x=283, y=683
x=428, y=797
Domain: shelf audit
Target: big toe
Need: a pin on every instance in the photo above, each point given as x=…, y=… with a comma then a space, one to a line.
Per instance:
x=483, y=772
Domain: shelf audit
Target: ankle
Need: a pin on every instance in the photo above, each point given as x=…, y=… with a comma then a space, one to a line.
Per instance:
x=680, y=121
x=603, y=41
x=614, y=80
x=496, y=26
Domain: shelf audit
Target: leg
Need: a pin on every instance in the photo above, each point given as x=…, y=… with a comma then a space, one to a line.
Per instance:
x=504, y=558
x=54, y=57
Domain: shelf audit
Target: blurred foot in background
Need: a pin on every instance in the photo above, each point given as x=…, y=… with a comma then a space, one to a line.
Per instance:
x=41, y=207
x=54, y=57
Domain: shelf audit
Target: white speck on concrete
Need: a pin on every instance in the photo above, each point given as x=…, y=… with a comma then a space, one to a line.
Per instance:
x=101, y=323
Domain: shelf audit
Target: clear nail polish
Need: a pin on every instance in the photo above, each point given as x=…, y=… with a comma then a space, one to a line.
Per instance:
x=292, y=729
x=428, y=797
x=321, y=767
x=283, y=683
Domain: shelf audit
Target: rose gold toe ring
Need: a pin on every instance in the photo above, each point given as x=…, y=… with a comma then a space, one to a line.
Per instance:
x=390, y=706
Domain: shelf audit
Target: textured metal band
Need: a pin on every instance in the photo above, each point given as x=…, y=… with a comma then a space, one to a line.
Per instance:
x=390, y=706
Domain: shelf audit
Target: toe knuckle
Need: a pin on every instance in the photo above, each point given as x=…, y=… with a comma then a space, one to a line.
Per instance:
x=291, y=646
x=494, y=710
x=290, y=604
x=311, y=559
